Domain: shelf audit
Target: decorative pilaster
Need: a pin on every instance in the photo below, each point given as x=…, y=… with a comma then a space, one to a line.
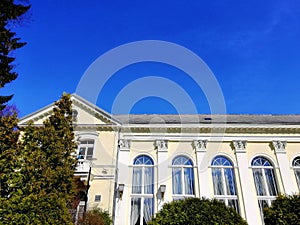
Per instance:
x=202, y=165
x=251, y=210
x=239, y=146
x=279, y=146
x=161, y=145
x=200, y=145
x=124, y=145
x=163, y=170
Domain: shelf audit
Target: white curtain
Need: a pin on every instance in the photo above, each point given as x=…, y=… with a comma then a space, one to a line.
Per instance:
x=217, y=180
x=137, y=180
x=259, y=183
x=148, y=209
x=148, y=180
x=135, y=210
x=271, y=182
x=230, y=183
x=176, y=177
x=189, y=181
x=297, y=173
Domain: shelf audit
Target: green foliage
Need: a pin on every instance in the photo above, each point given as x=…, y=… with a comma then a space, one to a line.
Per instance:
x=10, y=12
x=96, y=217
x=42, y=176
x=194, y=211
x=285, y=210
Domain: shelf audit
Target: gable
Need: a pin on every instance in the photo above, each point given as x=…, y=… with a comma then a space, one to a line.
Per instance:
x=86, y=114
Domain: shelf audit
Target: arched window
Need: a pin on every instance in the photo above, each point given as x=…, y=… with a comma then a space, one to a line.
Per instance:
x=224, y=181
x=296, y=167
x=142, y=198
x=265, y=182
x=182, y=177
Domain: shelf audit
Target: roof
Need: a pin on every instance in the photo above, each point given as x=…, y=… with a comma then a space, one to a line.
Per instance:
x=208, y=119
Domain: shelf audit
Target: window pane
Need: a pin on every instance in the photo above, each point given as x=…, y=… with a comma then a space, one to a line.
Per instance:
x=259, y=183
x=297, y=173
x=229, y=179
x=148, y=179
x=137, y=181
x=233, y=203
x=271, y=182
x=217, y=181
x=176, y=178
x=148, y=209
x=189, y=181
x=90, y=151
x=135, y=211
x=82, y=151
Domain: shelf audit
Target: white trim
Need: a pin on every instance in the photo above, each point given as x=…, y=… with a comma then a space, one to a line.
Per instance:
x=268, y=157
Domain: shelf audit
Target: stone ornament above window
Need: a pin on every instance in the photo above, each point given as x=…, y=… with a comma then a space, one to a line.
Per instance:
x=124, y=144
x=200, y=145
x=279, y=146
x=161, y=145
x=239, y=145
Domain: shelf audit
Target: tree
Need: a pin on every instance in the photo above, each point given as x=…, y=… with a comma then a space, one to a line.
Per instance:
x=285, y=210
x=10, y=12
x=197, y=211
x=46, y=156
x=96, y=217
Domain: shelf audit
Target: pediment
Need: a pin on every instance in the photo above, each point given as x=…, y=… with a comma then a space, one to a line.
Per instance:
x=88, y=114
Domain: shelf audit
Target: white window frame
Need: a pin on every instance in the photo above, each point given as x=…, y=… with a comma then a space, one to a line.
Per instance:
x=182, y=167
x=296, y=168
x=86, y=146
x=142, y=196
x=226, y=196
x=266, y=198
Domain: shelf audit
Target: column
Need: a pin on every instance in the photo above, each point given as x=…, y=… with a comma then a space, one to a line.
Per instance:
x=202, y=167
x=248, y=192
x=122, y=211
x=289, y=187
x=163, y=175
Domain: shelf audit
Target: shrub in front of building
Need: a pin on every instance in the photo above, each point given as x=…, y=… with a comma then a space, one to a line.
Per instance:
x=285, y=210
x=194, y=211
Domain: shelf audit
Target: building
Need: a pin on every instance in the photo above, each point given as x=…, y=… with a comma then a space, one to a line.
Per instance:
x=136, y=163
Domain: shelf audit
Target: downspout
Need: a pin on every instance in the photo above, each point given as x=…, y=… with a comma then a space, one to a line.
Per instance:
x=116, y=179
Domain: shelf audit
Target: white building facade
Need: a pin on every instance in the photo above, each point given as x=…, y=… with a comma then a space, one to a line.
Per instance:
x=136, y=163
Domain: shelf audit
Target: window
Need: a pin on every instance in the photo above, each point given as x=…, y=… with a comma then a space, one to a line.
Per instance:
x=224, y=182
x=296, y=167
x=86, y=149
x=142, y=198
x=265, y=182
x=97, y=198
x=182, y=177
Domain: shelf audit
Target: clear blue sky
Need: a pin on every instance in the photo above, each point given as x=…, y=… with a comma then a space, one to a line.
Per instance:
x=252, y=47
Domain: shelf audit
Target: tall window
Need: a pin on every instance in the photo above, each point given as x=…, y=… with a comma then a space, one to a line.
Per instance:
x=86, y=149
x=296, y=167
x=142, y=198
x=182, y=177
x=224, y=181
x=265, y=182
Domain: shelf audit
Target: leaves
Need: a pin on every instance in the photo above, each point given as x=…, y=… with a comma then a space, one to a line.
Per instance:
x=9, y=13
x=196, y=211
x=285, y=210
x=37, y=172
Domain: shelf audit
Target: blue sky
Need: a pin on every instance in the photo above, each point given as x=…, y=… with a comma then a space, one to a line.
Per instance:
x=252, y=47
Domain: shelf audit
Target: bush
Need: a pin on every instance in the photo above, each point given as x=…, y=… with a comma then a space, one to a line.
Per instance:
x=96, y=217
x=197, y=211
x=284, y=210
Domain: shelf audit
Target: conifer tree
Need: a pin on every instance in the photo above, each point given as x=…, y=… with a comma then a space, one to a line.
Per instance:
x=47, y=159
x=10, y=12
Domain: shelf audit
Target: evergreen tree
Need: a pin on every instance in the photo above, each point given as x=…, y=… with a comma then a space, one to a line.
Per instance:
x=10, y=12
x=47, y=164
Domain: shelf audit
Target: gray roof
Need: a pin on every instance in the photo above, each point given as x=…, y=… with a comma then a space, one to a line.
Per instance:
x=208, y=119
